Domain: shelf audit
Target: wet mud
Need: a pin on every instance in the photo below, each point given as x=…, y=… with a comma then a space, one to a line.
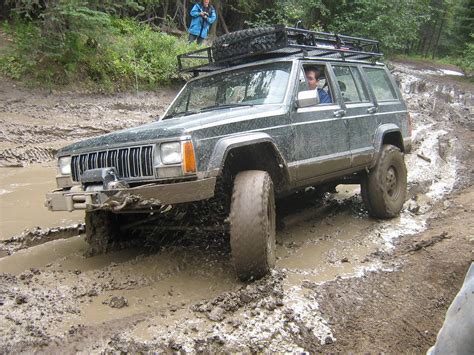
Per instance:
x=35, y=124
x=22, y=195
x=343, y=281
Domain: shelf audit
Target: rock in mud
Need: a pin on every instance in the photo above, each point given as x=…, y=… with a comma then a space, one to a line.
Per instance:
x=116, y=302
x=92, y=293
x=21, y=299
x=234, y=322
x=217, y=314
x=413, y=207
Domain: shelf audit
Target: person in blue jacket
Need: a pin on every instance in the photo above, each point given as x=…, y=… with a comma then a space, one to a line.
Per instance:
x=203, y=15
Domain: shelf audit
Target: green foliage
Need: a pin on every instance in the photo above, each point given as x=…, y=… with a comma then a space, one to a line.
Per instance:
x=137, y=54
x=111, y=53
x=393, y=23
x=288, y=13
x=59, y=41
x=466, y=59
x=21, y=57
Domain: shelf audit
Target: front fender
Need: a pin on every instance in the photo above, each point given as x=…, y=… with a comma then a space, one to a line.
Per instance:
x=226, y=144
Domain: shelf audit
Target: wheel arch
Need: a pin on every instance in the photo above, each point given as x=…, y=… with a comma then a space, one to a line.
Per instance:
x=255, y=151
x=388, y=134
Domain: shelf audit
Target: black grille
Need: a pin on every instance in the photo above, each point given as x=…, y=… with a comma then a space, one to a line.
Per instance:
x=133, y=162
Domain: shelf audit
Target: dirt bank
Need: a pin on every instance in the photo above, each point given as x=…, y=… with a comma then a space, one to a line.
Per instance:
x=343, y=282
x=34, y=124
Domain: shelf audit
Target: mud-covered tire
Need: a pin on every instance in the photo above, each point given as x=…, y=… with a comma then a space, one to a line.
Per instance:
x=252, y=224
x=384, y=188
x=248, y=41
x=102, y=230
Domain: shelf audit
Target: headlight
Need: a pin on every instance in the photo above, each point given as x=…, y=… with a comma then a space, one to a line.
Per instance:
x=171, y=153
x=64, y=165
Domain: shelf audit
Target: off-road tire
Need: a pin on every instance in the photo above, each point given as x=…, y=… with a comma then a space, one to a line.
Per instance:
x=252, y=224
x=102, y=230
x=384, y=188
x=364, y=194
x=248, y=41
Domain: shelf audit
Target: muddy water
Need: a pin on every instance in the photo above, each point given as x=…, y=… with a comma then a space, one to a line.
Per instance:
x=332, y=238
x=22, y=196
x=317, y=244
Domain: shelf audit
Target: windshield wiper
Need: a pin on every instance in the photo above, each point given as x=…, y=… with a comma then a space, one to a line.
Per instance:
x=218, y=107
x=178, y=114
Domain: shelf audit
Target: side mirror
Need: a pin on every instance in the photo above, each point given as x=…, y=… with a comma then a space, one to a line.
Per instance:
x=307, y=98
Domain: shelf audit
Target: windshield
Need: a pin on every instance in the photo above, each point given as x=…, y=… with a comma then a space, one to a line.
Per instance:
x=260, y=85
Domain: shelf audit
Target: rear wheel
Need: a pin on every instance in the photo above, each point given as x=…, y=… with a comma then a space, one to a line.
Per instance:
x=252, y=224
x=384, y=188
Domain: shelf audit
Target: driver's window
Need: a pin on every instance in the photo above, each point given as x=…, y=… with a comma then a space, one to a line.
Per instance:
x=313, y=77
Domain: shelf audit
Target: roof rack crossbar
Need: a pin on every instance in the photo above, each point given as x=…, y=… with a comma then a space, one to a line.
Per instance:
x=289, y=42
x=346, y=52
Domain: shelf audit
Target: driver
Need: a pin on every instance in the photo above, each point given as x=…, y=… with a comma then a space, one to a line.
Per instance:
x=312, y=78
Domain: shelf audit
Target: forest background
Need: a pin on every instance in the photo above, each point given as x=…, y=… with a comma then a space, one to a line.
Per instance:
x=122, y=44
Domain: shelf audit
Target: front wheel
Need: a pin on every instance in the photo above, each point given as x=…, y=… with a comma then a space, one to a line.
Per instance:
x=384, y=188
x=252, y=224
x=102, y=231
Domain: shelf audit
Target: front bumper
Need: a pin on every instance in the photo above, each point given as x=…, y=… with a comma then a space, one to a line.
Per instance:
x=141, y=198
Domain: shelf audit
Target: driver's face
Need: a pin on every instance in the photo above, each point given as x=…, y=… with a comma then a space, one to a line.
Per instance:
x=312, y=81
x=206, y=3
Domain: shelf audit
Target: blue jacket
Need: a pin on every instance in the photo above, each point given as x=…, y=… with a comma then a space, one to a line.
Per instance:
x=200, y=26
x=324, y=97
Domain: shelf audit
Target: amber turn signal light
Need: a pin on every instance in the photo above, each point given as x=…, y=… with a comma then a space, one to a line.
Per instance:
x=189, y=159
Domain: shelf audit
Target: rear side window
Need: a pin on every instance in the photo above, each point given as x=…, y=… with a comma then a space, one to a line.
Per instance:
x=350, y=84
x=381, y=84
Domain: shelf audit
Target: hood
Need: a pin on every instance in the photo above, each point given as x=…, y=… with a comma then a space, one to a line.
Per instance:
x=169, y=128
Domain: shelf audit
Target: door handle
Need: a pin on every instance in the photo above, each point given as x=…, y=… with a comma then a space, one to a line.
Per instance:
x=372, y=109
x=339, y=113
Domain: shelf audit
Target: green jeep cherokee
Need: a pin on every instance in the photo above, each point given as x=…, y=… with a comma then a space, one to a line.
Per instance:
x=254, y=127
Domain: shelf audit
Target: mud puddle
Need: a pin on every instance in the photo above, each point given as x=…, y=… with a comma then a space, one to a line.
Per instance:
x=22, y=196
x=188, y=292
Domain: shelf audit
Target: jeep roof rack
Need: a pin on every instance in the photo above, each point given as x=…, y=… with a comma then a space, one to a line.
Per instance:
x=278, y=41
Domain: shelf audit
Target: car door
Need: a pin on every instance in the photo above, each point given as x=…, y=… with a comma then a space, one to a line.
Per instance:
x=390, y=106
x=321, y=144
x=360, y=112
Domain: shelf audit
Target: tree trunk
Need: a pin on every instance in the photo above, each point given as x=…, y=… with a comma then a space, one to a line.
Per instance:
x=220, y=17
x=430, y=42
x=213, y=27
x=435, y=49
x=184, y=15
x=166, y=4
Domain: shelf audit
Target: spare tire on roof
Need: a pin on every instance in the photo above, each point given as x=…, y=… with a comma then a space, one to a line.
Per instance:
x=253, y=40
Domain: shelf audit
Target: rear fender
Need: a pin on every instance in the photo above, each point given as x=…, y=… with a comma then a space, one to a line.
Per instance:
x=387, y=134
